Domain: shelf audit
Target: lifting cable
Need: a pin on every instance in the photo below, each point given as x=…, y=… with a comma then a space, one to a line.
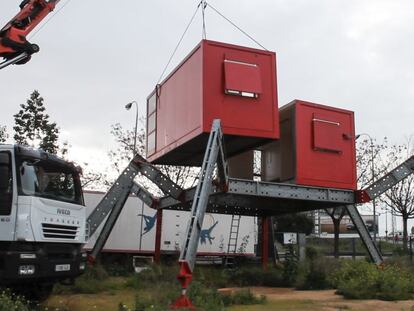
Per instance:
x=46, y=22
x=237, y=27
x=203, y=4
x=179, y=41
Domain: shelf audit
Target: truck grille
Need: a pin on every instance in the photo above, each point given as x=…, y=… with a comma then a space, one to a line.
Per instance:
x=52, y=231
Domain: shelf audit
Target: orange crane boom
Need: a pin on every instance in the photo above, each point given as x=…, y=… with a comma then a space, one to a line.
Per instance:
x=14, y=47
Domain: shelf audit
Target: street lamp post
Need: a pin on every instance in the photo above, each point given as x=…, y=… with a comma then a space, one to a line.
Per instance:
x=373, y=179
x=127, y=107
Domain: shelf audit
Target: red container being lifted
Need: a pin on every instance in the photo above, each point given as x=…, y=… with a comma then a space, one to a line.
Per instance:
x=216, y=80
x=316, y=147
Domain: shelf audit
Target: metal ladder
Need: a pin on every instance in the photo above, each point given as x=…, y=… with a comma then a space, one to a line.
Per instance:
x=112, y=203
x=233, y=238
x=214, y=155
x=234, y=234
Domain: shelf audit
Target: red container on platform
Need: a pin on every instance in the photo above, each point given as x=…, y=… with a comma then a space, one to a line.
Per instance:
x=316, y=147
x=216, y=80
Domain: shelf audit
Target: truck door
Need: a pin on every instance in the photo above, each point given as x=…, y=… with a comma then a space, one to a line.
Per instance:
x=6, y=196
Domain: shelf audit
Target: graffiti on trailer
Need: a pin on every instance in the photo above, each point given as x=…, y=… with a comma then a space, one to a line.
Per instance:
x=205, y=234
x=149, y=222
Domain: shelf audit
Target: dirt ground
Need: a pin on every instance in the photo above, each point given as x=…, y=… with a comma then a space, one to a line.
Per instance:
x=324, y=300
x=278, y=299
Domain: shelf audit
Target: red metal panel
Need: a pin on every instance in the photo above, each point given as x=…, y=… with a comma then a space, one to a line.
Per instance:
x=327, y=134
x=179, y=105
x=195, y=93
x=242, y=77
x=316, y=147
x=255, y=117
x=321, y=166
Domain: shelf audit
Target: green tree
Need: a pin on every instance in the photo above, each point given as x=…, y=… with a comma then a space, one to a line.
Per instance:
x=3, y=134
x=33, y=127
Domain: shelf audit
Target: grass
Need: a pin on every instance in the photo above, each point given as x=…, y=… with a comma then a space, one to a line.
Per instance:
x=108, y=301
x=156, y=288
x=153, y=289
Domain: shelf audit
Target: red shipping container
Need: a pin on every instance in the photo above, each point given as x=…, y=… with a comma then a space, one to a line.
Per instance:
x=316, y=147
x=216, y=80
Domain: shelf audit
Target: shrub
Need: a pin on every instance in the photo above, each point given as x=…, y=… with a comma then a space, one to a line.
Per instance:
x=9, y=301
x=156, y=274
x=363, y=280
x=94, y=280
x=96, y=272
x=273, y=277
x=315, y=271
x=253, y=276
x=205, y=298
x=290, y=267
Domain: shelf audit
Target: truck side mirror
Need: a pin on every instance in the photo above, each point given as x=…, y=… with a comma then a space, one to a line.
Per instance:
x=4, y=159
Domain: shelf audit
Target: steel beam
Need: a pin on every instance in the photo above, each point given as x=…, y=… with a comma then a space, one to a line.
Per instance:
x=251, y=198
x=386, y=182
x=162, y=181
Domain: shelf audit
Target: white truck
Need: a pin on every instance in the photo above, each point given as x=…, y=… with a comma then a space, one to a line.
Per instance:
x=42, y=220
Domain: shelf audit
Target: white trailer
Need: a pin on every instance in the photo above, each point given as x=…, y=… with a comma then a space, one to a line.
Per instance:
x=134, y=231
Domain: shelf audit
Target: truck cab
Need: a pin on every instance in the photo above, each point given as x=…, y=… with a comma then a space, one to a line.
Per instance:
x=42, y=220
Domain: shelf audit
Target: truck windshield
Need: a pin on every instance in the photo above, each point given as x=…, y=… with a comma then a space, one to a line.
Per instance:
x=47, y=180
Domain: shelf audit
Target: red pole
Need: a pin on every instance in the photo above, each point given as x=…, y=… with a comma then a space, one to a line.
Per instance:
x=158, y=232
x=265, y=241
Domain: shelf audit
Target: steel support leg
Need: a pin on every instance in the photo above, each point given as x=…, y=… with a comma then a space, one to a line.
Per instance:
x=158, y=233
x=265, y=242
x=372, y=249
x=188, y=254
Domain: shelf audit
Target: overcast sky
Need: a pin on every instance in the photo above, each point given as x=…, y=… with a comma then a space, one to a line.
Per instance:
x=97, y=55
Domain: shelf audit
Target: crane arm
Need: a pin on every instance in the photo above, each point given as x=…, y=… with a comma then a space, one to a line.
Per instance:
x=14, y=47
